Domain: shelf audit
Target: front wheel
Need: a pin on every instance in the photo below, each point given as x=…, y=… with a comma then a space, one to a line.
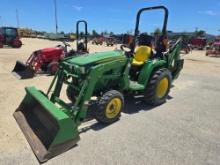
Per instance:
x=16, y=43
x=158, y=87
x=53, y=67
x=109, y=107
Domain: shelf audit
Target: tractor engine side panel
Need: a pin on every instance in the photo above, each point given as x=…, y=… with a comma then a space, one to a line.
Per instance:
x=111, y=79
x=52, y=54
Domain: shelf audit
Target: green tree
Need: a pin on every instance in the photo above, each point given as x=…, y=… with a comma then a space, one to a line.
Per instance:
x=129, y=32
x=157, y=32
x=186, y=38
x=105, y=32
x=200, y=33
x=94, y=33
x=111, y=33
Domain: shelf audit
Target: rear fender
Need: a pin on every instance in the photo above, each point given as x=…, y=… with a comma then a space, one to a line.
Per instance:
x=148, y=69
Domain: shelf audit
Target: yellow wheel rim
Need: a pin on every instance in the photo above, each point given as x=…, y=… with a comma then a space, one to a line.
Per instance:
x=162, y=87
x=113, y=108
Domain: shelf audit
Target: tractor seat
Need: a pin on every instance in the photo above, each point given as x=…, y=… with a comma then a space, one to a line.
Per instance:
x=142, y=53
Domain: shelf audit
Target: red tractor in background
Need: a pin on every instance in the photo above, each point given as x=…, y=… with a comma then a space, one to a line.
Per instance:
x=98, y=40
x=198, y=43
x=47, y=60
x=9, y=36
x=110, y=41
x=213, y=50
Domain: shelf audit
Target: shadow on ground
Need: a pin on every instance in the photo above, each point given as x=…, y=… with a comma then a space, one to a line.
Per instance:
x=135, y=105
x=132, y=105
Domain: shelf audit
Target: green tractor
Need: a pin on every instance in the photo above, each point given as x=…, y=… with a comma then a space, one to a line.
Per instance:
x=50, y=124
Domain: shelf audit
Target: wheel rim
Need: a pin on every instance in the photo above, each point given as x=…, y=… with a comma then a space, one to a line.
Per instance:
x=113, y=108
x=162, y=87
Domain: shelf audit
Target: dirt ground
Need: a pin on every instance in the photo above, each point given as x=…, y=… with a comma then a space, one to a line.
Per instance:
x=185, y=130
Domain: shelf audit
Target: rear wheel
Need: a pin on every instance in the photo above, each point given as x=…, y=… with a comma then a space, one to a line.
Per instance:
x=53, y=67
x=16, y=43
x=158, y=87
x=109, y=107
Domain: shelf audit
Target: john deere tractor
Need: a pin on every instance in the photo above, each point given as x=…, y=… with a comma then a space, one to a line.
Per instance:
x=50, y=124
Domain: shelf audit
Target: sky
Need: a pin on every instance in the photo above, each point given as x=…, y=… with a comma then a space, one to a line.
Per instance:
x=117, y=16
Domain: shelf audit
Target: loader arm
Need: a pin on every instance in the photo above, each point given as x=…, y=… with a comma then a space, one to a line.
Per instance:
x=174, y=62
x=79, y=110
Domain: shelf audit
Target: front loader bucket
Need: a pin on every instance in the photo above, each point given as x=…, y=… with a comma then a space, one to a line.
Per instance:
x=48, y=130
x=23, y=71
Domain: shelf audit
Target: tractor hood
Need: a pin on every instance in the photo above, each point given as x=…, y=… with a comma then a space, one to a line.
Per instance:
x=56, y=50
x=96, y=58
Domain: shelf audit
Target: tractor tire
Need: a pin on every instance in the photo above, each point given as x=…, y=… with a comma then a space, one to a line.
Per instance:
x=52, y=68
x=16, y=44
x=158, y=87
x=109, y=107
x=71, y=93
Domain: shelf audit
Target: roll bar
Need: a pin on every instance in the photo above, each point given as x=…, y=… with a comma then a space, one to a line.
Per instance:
x=77, y=33
x=136, y=32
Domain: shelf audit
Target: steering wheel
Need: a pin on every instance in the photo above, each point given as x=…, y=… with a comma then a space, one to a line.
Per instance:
x=128, y=52
x=66, y=44
x=124, y=47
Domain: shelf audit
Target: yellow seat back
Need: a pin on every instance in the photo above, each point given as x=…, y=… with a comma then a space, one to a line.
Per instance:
x=142, y=53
